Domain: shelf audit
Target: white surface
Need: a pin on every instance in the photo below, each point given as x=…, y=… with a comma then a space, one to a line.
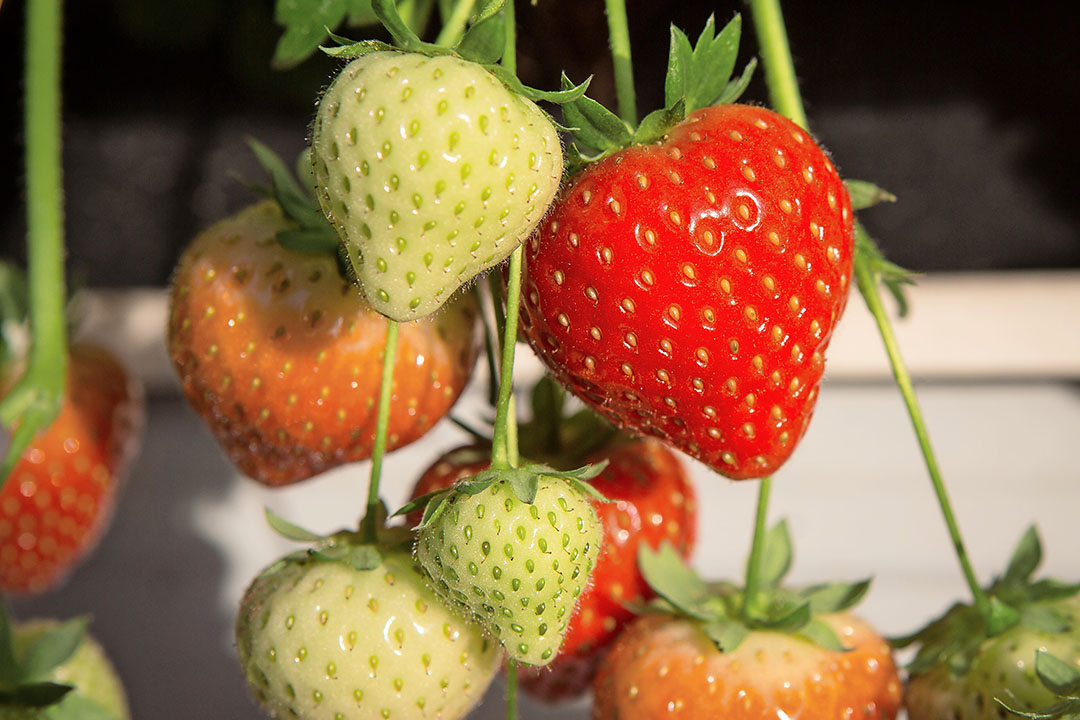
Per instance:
x=189, y=532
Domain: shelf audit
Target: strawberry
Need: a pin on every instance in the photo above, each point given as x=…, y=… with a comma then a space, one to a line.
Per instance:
x=969, y=665
x=431, y=170
x=718, y=651
x=281, y=356
x=688, y=289
x=320, y=638
x=663, y=666
x=514, y=549
x=77, y=661
x=59, y=498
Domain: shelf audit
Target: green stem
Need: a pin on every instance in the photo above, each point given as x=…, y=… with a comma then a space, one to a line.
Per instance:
x=868, y=283
x=34, y=402
x=753, y=563
x=619, y=37
x=502, y=455
x=784, y=93
x=776, y=57
x=511, y=689
x=489, y=347
x=382, y=421
x=454, y=27
x=509, y=57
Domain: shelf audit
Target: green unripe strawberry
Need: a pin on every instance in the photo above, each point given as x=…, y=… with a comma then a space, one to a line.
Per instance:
x=323, y=640
x=516, y=567
x=432, y=171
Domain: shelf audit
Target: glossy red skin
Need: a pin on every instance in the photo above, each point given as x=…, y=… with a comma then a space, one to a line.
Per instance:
x=652, y=297
x=653, y=501
x=282, y=357
x=60, y=496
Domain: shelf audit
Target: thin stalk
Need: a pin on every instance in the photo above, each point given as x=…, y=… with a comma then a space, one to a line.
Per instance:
x=503, y=456
x=784, y=93
x=776, y=58
x=511, y=689
x=868, y=284
x=455, y=24
x=619, y=37
x=382, y=421
x=753, y=563
x=34, y=402
x=509, y=57
x=489, y=348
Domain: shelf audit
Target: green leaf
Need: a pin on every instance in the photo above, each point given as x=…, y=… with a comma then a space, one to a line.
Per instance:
x=78, y=707
x=306, y=23
x=359, y=557
x=1002, y=617
x=324, y=240
x=298, y=205
x=35, y=694
x=424, y=501
x=488, y=10
x=726, y=633
x=699, y=76
x=594, y=126
x=523, y=482
x=736, y=87
x=866, y=194
x=821, y=634
x=1025, y=558
x=52, y=649
x=484, y=41
x=1049, y=589
x=835, y=597
x=387, y=12
x=788, y=617
x=289, y=531
x=558, y=97
x=349, y=50
x=1044, y=618
x=1059, y=677
x=892, y=276
x=776, y=555
x=671, y=579
x=655, y=125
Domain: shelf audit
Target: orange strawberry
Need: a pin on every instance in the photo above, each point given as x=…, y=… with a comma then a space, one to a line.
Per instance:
x=281, y=356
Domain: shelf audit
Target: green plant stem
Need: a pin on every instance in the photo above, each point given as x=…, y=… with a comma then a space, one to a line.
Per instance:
x=619, y=37
x=509, y=57
x=776, y=57
x=36, y=399
x=868, y=284
x=502, y=455
x=753, y=563
x=784, y=93
x=382, y=421
x=511, y=689
x=454, y=28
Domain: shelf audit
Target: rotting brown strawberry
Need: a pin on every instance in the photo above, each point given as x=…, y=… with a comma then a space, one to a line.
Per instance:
x=281, y=355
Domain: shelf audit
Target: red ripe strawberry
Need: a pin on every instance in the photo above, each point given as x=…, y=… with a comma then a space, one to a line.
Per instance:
x=282, y=357
x=60, y=495
x=688, y=289
x=664, y=666
x=653, y=500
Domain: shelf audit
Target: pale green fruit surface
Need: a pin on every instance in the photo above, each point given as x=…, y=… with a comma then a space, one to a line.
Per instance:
x=324, y=641
x=432, y=171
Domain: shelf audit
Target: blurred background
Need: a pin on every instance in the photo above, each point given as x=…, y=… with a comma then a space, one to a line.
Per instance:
x=969, y=117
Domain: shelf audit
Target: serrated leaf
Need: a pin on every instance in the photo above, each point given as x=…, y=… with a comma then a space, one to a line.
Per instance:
x=52, y=649
x=736, y=87
x=665, y=572
x=483, y=42
x=78, y=707
x=701, y=75
x=348, y=50
x=821, y=634
x=865, y=194
x=288, y=530
x=726, y=633
x=835, y=597
x=680, y=55
x=310, y=240
x=776, y=555
x=655, y=125
x=1025, y=559
x=305, y=23
x=594, y=126
x=1002, y=617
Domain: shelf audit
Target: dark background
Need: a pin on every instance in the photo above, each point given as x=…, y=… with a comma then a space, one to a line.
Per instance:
x=969, y=116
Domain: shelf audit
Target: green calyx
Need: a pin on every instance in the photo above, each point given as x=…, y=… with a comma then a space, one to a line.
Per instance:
x=346, y=547
x=524, y=482
x=698, y=76
x=722, y=608
x=955, y=639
